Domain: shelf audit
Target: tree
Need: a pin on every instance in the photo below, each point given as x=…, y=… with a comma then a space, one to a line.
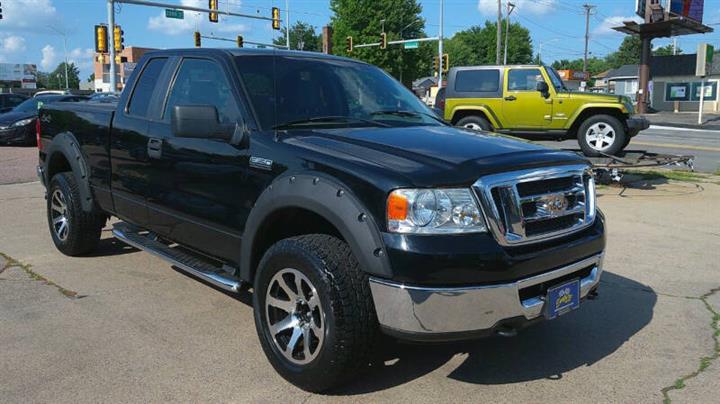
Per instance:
x=476, y=45
x=627, y=54
x=91, y=78
x=666, y=50
x=302, y=36
x=595, y=65
x=56, y=79
x=364, y=20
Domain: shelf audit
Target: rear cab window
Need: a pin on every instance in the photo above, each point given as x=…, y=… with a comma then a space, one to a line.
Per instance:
x=476, y=81
x=140, y=100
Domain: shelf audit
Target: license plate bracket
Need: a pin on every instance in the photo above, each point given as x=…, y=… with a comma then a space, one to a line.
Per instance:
x=562, y=299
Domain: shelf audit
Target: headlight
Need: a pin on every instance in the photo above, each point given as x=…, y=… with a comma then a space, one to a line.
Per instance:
x=22, y=122
x=434, y=211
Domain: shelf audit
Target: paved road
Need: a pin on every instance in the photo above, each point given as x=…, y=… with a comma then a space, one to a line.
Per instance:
x=703, y=144
x=122, y=326
x=17, y=164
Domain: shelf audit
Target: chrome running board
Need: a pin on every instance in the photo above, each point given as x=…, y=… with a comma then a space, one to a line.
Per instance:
x=190, y=264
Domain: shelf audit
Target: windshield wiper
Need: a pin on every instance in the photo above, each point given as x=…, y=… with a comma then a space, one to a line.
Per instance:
x=330, y=119
x=408, y=113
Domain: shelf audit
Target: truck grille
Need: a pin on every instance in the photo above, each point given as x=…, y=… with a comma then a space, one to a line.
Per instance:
x=534, y=205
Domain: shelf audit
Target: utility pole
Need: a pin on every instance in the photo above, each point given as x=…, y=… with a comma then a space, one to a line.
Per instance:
x=588, y=8
x=111, y=47
x=287, y=24
x=440, y=44
x=674, y=46
x=64, y=35
x=499, y=33
x=510, y=8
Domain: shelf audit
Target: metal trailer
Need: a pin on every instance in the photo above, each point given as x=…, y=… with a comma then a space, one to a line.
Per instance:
x=610, y=168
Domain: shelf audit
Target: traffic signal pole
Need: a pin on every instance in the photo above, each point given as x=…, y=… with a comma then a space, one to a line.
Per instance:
x=440, y=44
x=111, y=48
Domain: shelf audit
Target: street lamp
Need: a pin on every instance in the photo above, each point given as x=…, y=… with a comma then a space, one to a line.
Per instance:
x=510, y=8
x=64, y=35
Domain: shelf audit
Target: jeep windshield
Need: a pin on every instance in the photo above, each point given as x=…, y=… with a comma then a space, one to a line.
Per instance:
x=556, y=80
x=291, y=92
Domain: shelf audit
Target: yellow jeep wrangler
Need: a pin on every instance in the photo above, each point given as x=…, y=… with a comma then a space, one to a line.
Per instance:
x=532, y=102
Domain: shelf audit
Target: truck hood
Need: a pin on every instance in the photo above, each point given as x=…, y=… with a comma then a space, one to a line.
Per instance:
x=594, y=97
x=428, y=155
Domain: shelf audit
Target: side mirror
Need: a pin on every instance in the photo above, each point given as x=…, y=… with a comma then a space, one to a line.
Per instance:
x=543, y=88
x=197, y=121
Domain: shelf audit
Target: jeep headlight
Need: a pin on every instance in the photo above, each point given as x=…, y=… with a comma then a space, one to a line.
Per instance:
x=22, y=122
x=434, y=211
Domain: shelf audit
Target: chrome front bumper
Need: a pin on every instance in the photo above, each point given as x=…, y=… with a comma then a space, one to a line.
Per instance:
x=423, y=312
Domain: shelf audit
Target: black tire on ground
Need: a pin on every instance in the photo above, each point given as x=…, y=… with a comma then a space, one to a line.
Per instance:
x=81, y=231
x=602, y=134
x=349, y=327
x=475, y=122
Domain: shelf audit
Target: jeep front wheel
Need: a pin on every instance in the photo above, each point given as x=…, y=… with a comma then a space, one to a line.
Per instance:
x=475, y=123
x=601, y=134
x=314, y=313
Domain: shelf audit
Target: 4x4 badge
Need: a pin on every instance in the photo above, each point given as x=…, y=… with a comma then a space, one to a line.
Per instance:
x=261, y=163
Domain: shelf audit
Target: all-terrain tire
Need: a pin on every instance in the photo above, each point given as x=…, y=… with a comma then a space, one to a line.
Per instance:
x=601, y=134
x=475, y=122
x=82, y=229
x=350, y=328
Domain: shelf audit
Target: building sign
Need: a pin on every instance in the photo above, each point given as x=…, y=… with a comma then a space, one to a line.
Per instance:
x=710, y=91
x=573, y=75
x=688, y=8
x=690, y=91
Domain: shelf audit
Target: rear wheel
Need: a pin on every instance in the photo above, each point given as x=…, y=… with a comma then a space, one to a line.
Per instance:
x=475, y=123
x=601, y=134
x=73, y=230
x=313, y=311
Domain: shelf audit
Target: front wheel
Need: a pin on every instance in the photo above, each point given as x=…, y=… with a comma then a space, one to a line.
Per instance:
x=602, y=134
x=314, y=313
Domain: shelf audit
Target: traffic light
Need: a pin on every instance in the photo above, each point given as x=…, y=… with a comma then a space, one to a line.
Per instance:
x=197, y=39
x=240, y=41
x=118, y=39
x=349, y=46
x=1, y=17
x=383, y=40
x=436, y=63
x=213, y=5
x=101, y=39
x=275, y=18
x=446, y=62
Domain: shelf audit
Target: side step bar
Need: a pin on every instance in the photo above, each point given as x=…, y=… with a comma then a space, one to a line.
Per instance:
x=129, y=234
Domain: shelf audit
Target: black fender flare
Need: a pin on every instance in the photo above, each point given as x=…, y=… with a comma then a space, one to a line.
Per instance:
x=328, y=198
x=67, y=145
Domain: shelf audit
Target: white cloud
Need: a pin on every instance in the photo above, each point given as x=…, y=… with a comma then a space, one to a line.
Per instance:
x=489, y=7
x=196, y=21
x=28, y=15
x=12, y=44
x=49, y=58
x=606, y=27
x=82, y=58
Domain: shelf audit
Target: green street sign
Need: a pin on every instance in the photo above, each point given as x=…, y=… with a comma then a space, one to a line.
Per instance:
x=412, y=45
x=172, y=13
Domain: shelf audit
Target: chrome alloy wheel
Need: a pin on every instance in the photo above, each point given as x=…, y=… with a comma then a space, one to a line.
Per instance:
x=600, y=136
x=472, y=126
x=59, y=215
x=294, y=316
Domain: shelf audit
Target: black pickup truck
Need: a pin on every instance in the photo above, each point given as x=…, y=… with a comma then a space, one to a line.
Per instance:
x=329, y=189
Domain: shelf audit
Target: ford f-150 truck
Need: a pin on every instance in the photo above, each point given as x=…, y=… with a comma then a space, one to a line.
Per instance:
x=329, y=189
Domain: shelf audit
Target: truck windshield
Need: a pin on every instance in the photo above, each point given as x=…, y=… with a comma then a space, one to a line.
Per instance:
x=306, y=91
x=555, y=78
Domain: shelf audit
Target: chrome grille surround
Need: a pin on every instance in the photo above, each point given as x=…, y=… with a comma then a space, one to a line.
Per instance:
x=517, y=218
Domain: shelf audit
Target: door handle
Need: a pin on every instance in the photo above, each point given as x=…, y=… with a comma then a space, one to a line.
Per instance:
x=154, y=148
x=510, y=98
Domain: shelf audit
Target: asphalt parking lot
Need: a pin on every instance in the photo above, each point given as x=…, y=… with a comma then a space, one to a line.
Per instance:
x=123, y=326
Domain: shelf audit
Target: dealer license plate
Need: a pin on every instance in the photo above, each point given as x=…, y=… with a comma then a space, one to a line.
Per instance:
x=562, y=299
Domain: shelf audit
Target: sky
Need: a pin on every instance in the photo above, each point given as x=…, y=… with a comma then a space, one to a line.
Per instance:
x=35, y=31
